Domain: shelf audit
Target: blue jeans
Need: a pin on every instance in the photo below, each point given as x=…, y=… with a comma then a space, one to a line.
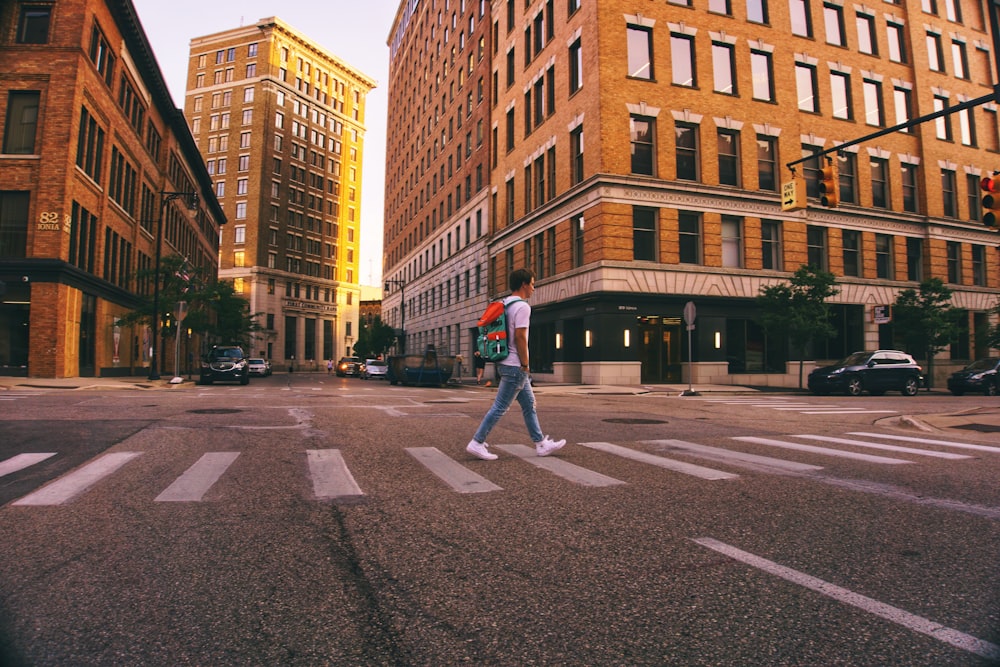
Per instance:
x=514, y=383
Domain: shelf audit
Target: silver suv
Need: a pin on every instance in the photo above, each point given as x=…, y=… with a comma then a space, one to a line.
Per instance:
x=875, y=372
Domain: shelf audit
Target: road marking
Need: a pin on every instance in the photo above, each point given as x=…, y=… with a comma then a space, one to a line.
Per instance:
x=560, y=467
x=848, y=411
x=199, y=478
x=22, y=461
x=68, y=487
x=330, y=475
x=871, y=458
x=452, y=473
x=928, y=441
x=890, y=448
x=669, y=464
x=728, y=456
x=892, y=614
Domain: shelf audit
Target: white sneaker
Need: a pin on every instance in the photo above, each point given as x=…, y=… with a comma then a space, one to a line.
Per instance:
x=548, y=445
x=480, y=450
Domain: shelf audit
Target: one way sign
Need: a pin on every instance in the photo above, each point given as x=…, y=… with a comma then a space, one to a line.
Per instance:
x=793, y=194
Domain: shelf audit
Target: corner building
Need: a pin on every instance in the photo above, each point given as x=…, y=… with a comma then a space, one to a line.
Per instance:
x=94, y=152
x=280, y=123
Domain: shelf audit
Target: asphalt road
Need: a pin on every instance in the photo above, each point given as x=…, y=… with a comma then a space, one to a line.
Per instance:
x=314, y=520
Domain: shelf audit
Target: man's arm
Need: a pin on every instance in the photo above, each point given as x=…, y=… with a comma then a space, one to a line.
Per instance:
x=521, y=343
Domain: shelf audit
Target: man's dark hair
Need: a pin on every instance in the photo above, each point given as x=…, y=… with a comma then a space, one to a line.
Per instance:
x=520, y=277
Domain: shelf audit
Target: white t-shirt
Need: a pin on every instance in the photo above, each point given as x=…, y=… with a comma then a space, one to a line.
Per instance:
x=518, y=317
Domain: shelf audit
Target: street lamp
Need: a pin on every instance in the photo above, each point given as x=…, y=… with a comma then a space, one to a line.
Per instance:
x=192, y=203
x=402, y=311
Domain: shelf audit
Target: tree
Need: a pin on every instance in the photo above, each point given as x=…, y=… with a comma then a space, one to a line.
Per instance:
x=926, y=320
x=993, y=335
x=374, y=338
x=798, y=308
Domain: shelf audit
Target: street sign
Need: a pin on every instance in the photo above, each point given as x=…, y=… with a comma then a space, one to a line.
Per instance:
x=793, y=194
x=881, y=314
x=689, y=313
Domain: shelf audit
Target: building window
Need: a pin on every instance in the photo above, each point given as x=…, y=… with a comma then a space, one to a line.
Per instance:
x=14, y=226
x=767, y=163
x=729, y=157
x=816, y=252
x=967, y=127
x=810, y=169
x=90, y=146
x=935, y=52
x=867, y=42
x=577, y=229
x=687, y=151
x=979, y=265
x=732, y=241
x=902, y=100
x=757, y=11
x=102, y=56
x=640, y=52
x=576, y=154
x=897, y=42
x=761, y=70
x=720, y=7
x=682, y=60
x=770, y=244
x=33, y=25
x=880, y=182
x=575, y=67
x=847, y=170
x=805, y=83
x=643, y=130
x=724, y=68
x=909, y=185
x=22, y=122
x=972, y=187
x=644, y=234
x=840, y=95
x=851, y=242
x=959, y=59
x=954, y=250
x=874, y=109
x=883, y=257
x=833, y=17
x=949, y=195
x=689, y=237
x=914, y=259
x=800, y=17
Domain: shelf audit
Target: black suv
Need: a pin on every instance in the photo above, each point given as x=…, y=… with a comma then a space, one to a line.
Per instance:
x=875, y=372
x=225, y=363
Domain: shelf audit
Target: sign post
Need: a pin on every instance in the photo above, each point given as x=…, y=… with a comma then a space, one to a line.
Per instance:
x=180, y=312
x=689, y=315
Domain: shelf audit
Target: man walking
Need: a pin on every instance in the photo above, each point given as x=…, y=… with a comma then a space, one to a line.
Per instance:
x=515, y=382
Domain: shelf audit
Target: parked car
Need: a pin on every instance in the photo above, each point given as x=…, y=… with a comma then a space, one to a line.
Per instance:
x=349, y=366
x=982, y=375
x=258, y=366
x=375, y=368
x=875, y=372
x=225, y=363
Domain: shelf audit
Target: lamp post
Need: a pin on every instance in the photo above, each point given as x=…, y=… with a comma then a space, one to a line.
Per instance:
x=192, y=202
x=402, y=311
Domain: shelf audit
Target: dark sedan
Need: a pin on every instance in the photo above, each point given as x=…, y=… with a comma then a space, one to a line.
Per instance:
x=981, y=376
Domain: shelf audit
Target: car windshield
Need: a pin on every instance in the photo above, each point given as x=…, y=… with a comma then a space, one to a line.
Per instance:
x=856, y=359
x=233, y=353
x=982, y=365
x=257, y=362
x=374, y=362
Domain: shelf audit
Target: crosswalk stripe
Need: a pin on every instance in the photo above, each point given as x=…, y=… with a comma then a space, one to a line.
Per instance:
x=66, y=488
x=669, y=464
x=330, y=475
x=826, y=451
x=929, y=441
x=890, y=448
x=848, y=411
x=22, y=461
x=199, y=478
x=451, y=472
x=728, y=455
x=560, y=467
x=892, y=614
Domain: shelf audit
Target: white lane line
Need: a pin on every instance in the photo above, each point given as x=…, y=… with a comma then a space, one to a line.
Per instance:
x=929, y=441
x=669, y=464
x=560, y=467
x=330, y=476
x=73, y=484
x=452, y=473
x=199, y=478
x=848, y=411
x=728, y=456
x=889, y=448
x=892, y=614
x=826, y=451
x=22, y=461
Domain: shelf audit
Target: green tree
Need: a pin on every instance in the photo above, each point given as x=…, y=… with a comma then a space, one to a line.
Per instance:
x=925, y=320
x=798, y=309
x=374, y=338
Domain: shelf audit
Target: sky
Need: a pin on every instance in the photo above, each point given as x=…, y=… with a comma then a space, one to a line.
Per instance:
x=356, y=37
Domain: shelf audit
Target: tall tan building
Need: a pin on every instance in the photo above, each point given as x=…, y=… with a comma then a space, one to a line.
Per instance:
x=95, y=162
x=280, y=123
x=638, y=152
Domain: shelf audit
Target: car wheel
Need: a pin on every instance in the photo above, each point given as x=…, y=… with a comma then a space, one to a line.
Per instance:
x=205, y=381
x=245, y=379
x=910, y=387
x=854, y=387
x=991, y=389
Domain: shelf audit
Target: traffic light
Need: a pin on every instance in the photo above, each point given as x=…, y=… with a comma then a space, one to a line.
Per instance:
x=990, y=185
x=829, y=186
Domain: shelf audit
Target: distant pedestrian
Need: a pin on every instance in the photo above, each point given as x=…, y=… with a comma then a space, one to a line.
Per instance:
x=515, y=379
x=480, y=365
x=329, y=366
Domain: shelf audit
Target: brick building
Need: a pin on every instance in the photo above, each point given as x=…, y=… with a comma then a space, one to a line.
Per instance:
x=91, y=142
x=637, y=154
x=280, y=122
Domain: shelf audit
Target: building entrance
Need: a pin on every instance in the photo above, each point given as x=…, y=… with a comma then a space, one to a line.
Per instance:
x=660, y=349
